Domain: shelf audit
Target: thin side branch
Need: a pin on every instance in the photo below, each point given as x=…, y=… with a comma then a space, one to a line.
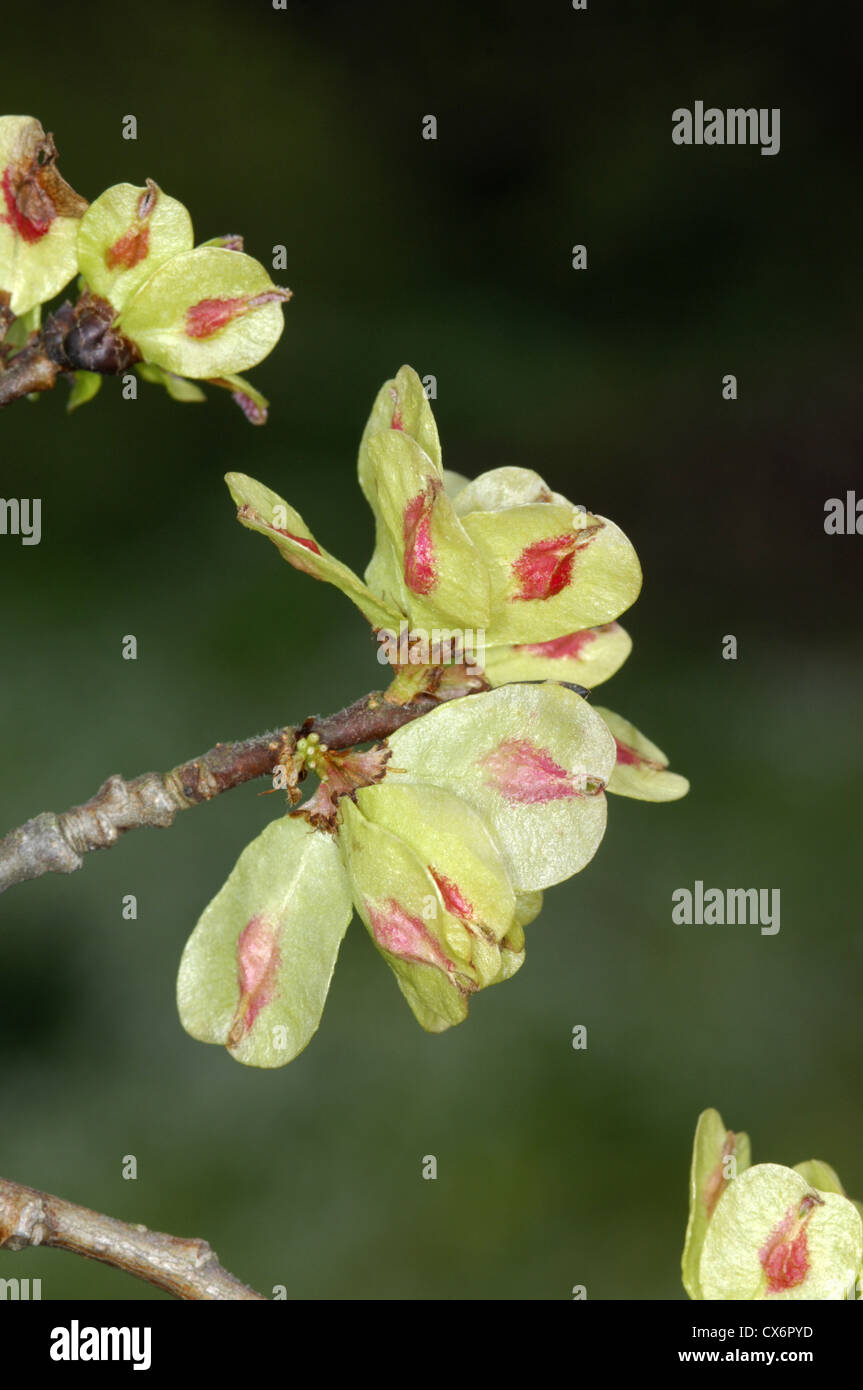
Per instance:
x=52, y=843
x=187, y=1269
x=31, y=370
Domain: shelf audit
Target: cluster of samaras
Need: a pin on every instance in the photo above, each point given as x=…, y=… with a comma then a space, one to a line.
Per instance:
x=148, y=297
x=443, y=839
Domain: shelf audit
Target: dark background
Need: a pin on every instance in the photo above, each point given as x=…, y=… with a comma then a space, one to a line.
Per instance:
x=302, y=127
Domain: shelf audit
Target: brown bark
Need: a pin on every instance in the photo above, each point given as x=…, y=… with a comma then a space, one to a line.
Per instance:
x=57, y=843
x=188, y=1269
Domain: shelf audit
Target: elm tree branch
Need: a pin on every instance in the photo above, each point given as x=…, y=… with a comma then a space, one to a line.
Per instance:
x=188, y=1269
x=57, y=843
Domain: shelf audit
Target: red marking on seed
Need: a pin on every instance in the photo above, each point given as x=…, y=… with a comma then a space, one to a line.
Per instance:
x=307, y=544
x=397, y=423
x=453, y=899
x=210, y=316
x=560, y=647
x=544, y=568
x=405, y=936
x=29, y=231
x=525, y=774
x=129, y=250
x=785, y=1255
x=630, y=758
x=420, y=568
x=300, y=540
x=717, y=1181
x=258, y=962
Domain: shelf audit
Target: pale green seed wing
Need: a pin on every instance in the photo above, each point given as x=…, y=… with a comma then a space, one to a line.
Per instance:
x=773, y=1236
x=454, y=482
x=553, y=569
x=34, y=273
x=641, y=769
x=428, y=950
x=256, y=970
x=400, y=404
x=422, y=551
x=260, y=509
x=531, y=761
x=177, y=387
x=205, y=313
x=31, y=270
x=820, y=1175
x=718, y=1157
x=126, y=234
x=583, y=658
x=499, y=489
x=454, y=844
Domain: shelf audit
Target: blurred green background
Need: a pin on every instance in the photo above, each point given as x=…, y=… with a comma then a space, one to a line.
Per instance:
x=302, y=127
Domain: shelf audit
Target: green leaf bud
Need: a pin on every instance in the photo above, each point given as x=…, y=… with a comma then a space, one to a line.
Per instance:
x=85, y=385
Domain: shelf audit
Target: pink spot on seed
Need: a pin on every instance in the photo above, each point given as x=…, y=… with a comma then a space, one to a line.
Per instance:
x=420, y=569
x=628, y=757
x=544, y=568
x=559, y=647
x=453, y=898
x=258, y=961
x=525, y=774
x=785, y=1254
x=405, y=936
x=210, y=316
